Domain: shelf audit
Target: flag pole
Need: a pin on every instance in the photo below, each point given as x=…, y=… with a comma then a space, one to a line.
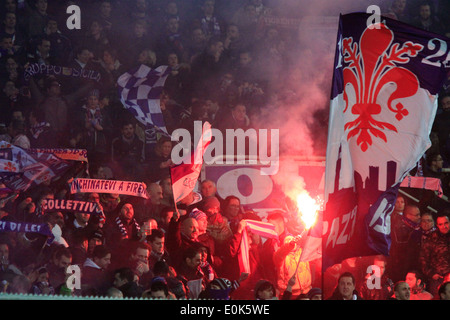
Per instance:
x=305, y=231
x=301, y=254
x=173, y=196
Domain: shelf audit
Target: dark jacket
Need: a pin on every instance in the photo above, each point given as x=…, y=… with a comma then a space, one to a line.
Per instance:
x=435, y=255
x=94, y=280
x=405, y=249
x=177, y=243
x=337, y=296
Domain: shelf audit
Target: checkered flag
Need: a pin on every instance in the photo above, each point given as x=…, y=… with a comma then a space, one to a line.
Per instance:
x=140, y=90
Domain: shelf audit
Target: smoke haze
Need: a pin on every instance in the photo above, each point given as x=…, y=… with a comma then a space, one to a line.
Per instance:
x=300, y=109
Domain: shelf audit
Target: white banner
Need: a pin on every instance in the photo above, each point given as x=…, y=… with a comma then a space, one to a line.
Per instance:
x=138, y=189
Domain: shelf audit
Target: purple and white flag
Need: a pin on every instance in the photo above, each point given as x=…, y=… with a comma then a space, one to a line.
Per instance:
x=140, y=90
x=22, y=169
x=383, y=102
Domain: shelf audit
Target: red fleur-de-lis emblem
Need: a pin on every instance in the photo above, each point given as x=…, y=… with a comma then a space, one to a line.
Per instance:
x=45, y=177
x=372, y=66
x=9, y=166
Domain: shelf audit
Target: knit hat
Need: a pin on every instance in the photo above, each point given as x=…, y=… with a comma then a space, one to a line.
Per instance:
x=97, y=234
x=224, y=292
x=210, y=202
x=94, y=92
x=177, y=287
x=223, y=283
x=158, y=279
x=313, y=292
x=263, y=285
x=197, y=214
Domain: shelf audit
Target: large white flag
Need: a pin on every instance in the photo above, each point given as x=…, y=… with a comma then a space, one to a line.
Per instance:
x=383, y=103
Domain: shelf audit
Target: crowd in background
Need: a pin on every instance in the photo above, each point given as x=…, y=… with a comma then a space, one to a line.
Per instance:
x=228, y=65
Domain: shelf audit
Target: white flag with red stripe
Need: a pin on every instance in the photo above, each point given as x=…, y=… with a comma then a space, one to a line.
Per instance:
x=263, y=229
x=184, y=176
